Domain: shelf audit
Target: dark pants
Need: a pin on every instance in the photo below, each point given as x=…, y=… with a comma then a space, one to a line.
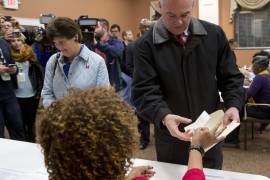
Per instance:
x=10, y=116
x=233, y=137
x=258, y=112
x=252, y=111
x=29, y=109
x=144, y=130
x=177, y=153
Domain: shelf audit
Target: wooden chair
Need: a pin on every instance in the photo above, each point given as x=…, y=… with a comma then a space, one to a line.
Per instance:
x=252, y=120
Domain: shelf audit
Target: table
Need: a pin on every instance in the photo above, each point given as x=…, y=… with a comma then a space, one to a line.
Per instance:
x=176, y=172
x=24, y=161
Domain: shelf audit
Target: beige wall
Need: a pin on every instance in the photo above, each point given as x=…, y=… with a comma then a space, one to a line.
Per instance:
x=243, y=55
x=126, y=13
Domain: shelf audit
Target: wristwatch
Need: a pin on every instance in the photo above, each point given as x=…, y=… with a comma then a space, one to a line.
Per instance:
x=197, y=147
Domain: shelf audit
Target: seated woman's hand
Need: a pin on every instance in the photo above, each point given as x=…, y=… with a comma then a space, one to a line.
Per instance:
x=146, y=171
x=205, y=137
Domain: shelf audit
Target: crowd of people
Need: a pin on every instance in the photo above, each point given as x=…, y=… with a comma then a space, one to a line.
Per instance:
x=94, y=96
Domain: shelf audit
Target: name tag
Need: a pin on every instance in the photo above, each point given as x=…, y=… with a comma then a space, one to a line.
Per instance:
x=21, y=77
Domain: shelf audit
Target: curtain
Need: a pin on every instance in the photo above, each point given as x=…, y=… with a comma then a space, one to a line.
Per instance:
x=246, y=4
x=252, y=4
x=233, y=8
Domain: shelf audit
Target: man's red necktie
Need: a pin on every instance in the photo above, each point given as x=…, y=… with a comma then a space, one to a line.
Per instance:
x=181, y=40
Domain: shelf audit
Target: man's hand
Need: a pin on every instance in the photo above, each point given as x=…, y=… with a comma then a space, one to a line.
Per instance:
x=206, y=137
x=232, y=114
x=172, y=122
x=146, y=171
x=3, y=69
x=95, y=40
x=12, y=70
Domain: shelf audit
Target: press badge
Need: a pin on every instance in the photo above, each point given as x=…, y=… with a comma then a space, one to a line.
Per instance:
x=5, y=77
x=21, y=77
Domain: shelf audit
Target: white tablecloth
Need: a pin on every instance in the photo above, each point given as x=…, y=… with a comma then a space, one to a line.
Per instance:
x=24, y=161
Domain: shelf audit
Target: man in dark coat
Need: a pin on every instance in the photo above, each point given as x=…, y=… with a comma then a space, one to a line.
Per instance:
x=174, y=82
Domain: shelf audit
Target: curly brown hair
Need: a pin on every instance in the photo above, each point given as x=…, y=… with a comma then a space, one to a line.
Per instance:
x=90, y=134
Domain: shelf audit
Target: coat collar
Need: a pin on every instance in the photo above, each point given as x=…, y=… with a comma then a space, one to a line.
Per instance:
x=161, y=34
x=83, y=54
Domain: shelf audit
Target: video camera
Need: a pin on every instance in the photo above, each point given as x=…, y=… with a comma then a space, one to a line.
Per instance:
x=87, y=23
x=45, y=18
x=87, y=26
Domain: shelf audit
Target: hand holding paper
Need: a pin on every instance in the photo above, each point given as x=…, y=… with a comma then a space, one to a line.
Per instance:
x=172, y=122
x=206, y=138
x=214, y=122
x=232, y=114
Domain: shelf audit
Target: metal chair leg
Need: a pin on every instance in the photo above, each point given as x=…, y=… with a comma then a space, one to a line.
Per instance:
x=245, y=135
x=252, y=124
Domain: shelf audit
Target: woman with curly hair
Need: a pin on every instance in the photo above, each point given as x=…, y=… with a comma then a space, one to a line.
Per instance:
x=90, y=135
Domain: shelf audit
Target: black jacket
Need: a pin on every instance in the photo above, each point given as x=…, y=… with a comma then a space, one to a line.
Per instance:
x=7, y=87
x=130, y=49
x=36, y=77
x=170, y=79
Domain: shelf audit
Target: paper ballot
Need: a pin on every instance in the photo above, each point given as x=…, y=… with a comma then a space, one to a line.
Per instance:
x=210, y=121
x=200, y=122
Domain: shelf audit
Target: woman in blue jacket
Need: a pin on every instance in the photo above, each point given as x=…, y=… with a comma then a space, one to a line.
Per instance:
x=75, y=66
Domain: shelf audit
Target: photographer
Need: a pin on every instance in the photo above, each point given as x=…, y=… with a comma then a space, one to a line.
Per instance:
x=42, y=47
x=87, y=26
x=9, y=107
x=9, y=25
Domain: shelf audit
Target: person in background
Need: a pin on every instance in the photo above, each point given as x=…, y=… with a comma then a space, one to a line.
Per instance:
x=265, y=52
x=115, y=31
x=180, y=66
x=127, y=36
x=144, y=26
x=43, y=48
x=7, y=29
x=30, y=82
x=2, y=20
x=10, y=115
x=111, y=50
x=259, y=90
x=128, y=39
x=78, y=135
x=75, y=66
